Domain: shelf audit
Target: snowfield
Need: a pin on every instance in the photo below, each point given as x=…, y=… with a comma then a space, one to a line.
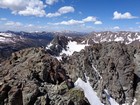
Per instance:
x=7, y=38
x=111, y=100
x=126, y=37
x=72, y=47
x=90, y=94
x=48, y=46
x=6, y=34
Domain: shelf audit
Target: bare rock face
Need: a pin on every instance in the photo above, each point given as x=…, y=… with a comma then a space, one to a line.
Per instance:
x=32, y=64
x=65, y=96
x=137, y=76
x=15, y=96
x=31, y=77
x=57, y=45
x=34, y=77
x=110, y=66
x=28, y=69
x=15, y=41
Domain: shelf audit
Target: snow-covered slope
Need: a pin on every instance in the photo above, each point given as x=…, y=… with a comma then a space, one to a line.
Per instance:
x=72, y=47
x=7, y=37
x=13, y=41
x=108, y=36
x=6, y=34
x=90, y=94
x=62, y=45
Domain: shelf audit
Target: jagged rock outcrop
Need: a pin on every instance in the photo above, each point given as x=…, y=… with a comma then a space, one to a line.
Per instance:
x=110, y=66
x=57, y=45
x=137, y=76
x=32, y=77
x=14, y=41
x=126, y=37
x=35, y=77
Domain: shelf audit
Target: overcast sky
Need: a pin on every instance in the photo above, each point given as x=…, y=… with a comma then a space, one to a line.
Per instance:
x=73, y=15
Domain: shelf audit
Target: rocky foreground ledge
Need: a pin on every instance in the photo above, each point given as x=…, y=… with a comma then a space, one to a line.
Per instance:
x=34, y=77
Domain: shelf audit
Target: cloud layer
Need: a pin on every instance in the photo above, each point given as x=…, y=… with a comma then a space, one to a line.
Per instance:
x=116, y=28
x=51, y=2
x=62, y=10
x=24, y=7
x=3, y=19
x=33, y=7
x=76, y=22
x=69, y=16
x=125, y=15
x=12, y=23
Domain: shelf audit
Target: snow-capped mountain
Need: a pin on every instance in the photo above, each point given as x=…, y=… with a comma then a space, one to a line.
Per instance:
x=13, y=41
x=74, y=41
x=108, y=36
x=101, y=74
x=62, y=46
x=90, y=69
x=10, y=38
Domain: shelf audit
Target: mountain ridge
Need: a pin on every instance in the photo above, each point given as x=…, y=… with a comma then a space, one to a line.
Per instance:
x=14, y=41
x=109, y=66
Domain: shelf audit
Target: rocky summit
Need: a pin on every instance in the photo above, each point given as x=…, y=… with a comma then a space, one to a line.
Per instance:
x=108, y=72
x=33, y=77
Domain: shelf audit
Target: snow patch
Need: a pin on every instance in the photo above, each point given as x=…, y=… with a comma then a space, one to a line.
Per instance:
x=95, y=41
x=48, y=46
x=69, y=37
x=104, y=40
x=90, y=94
x=6, y=37
x=96, y=71
x=119, y=39
x=134, y=101
x=6, y=40
x=72, y=47
x=111, y=100
x=58, y=58
x=83, y=42
x=99, y=34
x=138, y=37
x=6, y=34
x=2, y=39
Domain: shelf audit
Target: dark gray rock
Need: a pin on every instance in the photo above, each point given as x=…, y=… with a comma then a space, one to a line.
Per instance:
x=109, y=65
x=58, y=44
x=31, y=77
x=34, y=77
